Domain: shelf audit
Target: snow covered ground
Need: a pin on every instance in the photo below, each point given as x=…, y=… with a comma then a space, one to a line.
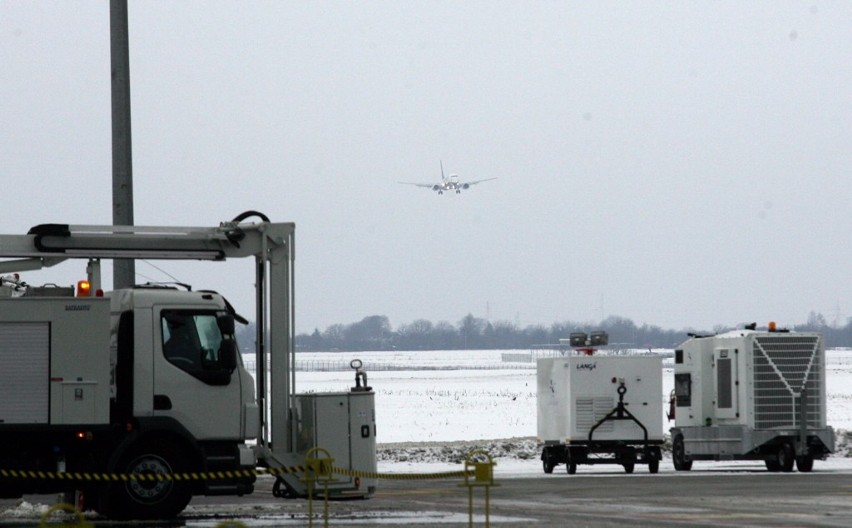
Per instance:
x=428, y=418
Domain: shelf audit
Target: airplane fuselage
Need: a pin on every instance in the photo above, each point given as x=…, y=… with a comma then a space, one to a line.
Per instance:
x=448, y=183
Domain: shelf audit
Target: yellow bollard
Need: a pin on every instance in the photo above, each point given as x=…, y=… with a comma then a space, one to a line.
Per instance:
x=319, y=469
x=65, y=507
x=479, y=463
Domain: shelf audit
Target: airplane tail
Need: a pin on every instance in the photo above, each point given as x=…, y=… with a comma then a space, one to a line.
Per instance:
x=442, y=170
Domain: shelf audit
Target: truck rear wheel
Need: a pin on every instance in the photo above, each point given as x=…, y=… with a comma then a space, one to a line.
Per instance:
x=152, y=493
x=679, y=455
x=786, y=457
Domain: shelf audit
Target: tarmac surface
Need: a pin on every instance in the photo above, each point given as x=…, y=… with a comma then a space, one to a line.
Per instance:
x=712, y=498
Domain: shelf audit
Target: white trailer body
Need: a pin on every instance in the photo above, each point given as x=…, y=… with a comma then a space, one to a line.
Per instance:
x=575, y=393
x=750, y=394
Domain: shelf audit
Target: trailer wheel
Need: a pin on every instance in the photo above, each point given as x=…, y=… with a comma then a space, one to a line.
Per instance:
x=547, y=461
x=805, y=463
x=679, y=455
x=653, y=466
x=147, y=496
x=786, y=457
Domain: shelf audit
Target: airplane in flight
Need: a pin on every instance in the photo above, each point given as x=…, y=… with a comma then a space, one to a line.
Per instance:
x=448, y=183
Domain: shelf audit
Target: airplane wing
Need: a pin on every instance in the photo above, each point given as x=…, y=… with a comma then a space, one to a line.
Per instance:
x=474, y=182
x=426, y=185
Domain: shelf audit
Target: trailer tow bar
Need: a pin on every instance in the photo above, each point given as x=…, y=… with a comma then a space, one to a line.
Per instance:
x=620, y=412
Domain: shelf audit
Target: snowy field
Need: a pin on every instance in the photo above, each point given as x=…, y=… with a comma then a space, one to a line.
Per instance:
x=485, y=398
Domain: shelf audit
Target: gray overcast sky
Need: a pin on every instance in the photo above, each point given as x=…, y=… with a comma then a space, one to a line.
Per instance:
x=683, y=164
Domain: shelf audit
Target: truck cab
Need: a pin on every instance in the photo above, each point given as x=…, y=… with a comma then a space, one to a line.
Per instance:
x=183, y=365
x=143, y=381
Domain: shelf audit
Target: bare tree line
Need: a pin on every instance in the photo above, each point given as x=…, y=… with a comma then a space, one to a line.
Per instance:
x=473, y=333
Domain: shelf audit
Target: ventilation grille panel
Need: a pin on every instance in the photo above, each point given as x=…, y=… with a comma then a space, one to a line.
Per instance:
x=783, y=367
x=590, y=410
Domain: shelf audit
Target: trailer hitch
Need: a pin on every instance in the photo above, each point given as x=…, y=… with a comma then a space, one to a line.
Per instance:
x=621, y=413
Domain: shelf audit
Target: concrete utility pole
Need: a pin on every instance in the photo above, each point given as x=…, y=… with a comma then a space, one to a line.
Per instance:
x=124, y=270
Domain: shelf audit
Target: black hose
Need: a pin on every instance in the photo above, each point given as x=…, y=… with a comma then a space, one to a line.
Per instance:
x=242, y=216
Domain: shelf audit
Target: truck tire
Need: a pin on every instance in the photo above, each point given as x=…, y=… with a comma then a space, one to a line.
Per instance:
x=805, y=463
x=571, y=467
x=144, y=499
x=628, y=467
x=786, y=457
x=679, y=455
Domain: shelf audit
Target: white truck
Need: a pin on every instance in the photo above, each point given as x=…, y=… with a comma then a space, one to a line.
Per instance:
x=148, y=381
x=595, y=409
x=751, y=395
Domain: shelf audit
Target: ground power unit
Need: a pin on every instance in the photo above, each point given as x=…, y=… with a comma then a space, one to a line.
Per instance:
x=751, y=395
x=594, y=409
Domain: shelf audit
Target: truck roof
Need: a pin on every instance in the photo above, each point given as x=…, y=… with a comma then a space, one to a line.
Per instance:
x=733, y=334
x=147, y=297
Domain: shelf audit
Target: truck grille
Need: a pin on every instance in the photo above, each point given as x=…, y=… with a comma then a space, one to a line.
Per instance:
x=783, y=367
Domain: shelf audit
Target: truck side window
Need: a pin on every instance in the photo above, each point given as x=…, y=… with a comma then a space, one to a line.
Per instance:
x=683, y=389
x=192, y=342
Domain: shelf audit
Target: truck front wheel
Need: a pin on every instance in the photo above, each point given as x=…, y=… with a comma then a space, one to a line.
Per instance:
x=679, y=455
x=150, y=492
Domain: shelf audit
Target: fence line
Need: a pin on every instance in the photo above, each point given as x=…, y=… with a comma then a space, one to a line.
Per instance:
x=318, y=365
x=509, y=361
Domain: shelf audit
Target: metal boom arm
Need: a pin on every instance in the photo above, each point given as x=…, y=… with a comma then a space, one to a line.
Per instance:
x=271, y=244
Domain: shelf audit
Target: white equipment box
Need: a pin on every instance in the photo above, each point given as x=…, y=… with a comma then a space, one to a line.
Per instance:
x=344, y=425
x=576, y=392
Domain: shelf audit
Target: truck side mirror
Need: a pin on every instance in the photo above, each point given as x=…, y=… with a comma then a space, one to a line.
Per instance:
x=228, y=354
x=225, y=322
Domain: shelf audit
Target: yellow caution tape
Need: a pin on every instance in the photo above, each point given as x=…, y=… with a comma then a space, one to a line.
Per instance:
x=220, y=475
x=400, y=476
